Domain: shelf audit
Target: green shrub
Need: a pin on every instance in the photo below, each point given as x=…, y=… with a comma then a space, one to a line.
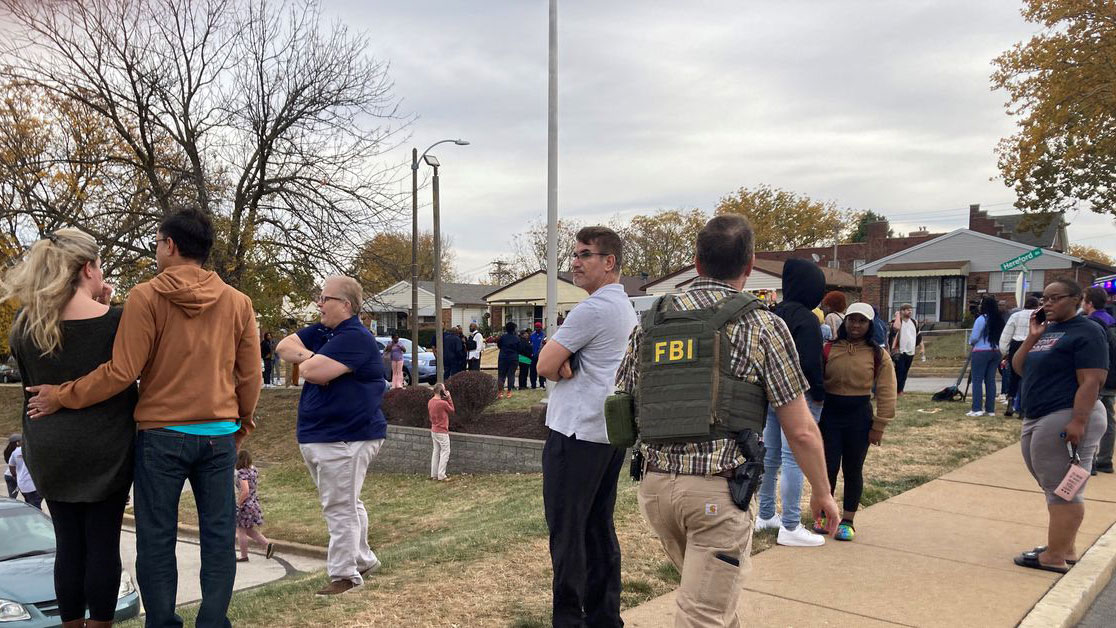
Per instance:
x=472, y=392
x=407, y=406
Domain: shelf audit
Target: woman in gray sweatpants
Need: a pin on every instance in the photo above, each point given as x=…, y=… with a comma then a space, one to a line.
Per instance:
x=1063, y=363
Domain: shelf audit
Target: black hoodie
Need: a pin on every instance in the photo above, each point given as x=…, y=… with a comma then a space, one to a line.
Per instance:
x=803, y=288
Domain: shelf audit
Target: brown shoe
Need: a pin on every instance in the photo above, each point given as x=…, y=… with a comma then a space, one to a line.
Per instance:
x=337, y=587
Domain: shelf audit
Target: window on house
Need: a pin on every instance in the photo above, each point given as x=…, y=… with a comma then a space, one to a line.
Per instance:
x=1008, y=284
x=921, y=292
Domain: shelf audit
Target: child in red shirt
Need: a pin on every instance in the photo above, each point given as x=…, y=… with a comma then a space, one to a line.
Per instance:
x=439, y=407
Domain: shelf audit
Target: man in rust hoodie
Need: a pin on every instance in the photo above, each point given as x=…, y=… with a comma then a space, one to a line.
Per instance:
x=192, y=342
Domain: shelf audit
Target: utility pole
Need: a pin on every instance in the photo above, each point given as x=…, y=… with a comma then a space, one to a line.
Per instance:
x=440, y=366
x=552, y=180
x=414, y=269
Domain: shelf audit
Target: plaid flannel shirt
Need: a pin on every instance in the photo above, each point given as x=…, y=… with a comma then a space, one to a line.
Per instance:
x=763, y=353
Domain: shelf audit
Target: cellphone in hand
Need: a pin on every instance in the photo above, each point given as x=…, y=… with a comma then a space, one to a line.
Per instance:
x=1040, y=315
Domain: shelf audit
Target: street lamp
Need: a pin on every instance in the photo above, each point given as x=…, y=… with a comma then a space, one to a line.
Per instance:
x=414, y=261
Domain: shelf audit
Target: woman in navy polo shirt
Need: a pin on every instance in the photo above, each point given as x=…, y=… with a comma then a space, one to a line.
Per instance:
x=1063, y=363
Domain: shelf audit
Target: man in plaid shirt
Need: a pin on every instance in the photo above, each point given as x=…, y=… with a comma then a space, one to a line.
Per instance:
x=684, y=494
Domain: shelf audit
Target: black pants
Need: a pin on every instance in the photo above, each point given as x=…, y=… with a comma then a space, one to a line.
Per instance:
x=506, y=373
x=902, y=367
x=1012, y=382
x=535, y=379
x=33, y=498
x=13, y=488
x=267, y=364
x=474, y=364
x=87, y=563
x=845, y=423
x=524, y=371
x=579, y=495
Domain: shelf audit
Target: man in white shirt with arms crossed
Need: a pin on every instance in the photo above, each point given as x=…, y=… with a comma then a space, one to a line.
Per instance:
x=580, y=467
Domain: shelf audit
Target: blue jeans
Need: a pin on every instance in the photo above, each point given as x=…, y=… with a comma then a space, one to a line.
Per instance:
x=164, y=461
x=779, y=454
x=985, y=364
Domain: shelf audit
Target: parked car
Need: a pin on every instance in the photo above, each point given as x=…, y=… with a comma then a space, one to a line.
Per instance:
x=428, y=371
x=9, y=373
x=27, y=549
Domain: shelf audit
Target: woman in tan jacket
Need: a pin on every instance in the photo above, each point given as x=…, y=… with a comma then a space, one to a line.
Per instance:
x=853, y=366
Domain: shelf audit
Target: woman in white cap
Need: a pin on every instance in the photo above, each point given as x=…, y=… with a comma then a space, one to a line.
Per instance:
x=853, y=365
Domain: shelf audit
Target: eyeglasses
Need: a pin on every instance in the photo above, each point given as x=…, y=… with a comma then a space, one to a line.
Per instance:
x=584, y=255
x=323, y=298
x=154, y=245
x=1054, y=298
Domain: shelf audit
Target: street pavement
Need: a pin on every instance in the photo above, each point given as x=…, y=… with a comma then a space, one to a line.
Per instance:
x=257, y=571
x=1102, y=614
x=937, y=555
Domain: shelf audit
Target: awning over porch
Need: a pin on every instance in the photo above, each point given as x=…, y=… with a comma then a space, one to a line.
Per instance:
x=924, y=269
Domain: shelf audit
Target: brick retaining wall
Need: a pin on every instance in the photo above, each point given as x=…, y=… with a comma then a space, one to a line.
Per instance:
x=407, y=450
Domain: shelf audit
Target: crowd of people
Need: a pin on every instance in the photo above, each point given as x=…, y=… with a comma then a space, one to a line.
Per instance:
x=798, y=393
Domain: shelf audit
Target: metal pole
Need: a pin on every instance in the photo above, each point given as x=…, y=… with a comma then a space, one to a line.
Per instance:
x=414, y=268
x=552, y=180
x=441, y=367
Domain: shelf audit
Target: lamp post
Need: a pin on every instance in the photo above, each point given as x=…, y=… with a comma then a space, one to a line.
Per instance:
x=415, y=158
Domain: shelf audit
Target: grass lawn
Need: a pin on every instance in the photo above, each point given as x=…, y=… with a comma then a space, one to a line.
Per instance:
x=473, y=551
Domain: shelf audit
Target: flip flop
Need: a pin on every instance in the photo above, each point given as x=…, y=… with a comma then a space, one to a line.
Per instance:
x=242, y=560
x=1032, y=562
x=1042, y=548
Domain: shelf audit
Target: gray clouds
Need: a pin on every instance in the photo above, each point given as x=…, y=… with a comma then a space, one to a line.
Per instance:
x=875, y=105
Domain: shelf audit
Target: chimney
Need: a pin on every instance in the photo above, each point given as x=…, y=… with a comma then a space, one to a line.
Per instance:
x=877, y=230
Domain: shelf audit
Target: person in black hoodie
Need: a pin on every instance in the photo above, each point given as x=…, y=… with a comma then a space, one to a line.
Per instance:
x=803, y=288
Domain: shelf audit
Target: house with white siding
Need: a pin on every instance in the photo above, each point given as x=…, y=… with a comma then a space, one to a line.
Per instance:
x=462, y=303
x=766, y=281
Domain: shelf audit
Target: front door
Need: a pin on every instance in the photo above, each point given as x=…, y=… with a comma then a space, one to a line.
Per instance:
x=953, y=299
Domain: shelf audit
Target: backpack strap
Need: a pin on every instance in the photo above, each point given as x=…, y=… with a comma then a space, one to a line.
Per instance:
x=653, y=315
x=826, y=348
x=733, y=307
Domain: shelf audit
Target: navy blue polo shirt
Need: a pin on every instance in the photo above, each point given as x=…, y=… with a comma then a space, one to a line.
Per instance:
x=347, y=408
x=1050, y=370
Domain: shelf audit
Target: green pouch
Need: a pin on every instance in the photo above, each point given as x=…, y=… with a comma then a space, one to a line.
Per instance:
x=619, y=411
x=524, y=359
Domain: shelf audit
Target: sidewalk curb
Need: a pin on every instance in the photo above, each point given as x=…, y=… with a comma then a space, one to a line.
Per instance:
x=1072, y=595
x=287, y=547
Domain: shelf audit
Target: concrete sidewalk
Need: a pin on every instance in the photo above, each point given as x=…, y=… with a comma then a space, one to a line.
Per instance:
x=938, y=555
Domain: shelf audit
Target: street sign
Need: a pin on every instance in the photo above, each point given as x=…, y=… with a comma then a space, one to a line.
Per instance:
x=1026, y=257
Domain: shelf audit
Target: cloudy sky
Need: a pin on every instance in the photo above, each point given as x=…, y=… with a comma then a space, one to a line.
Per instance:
x=872, y=104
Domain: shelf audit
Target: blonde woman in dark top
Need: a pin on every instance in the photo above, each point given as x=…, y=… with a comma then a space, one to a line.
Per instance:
x=65, y=330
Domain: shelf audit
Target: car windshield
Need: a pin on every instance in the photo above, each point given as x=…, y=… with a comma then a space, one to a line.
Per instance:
x=24, y=531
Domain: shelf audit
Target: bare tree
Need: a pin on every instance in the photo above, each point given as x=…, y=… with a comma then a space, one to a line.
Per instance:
x=250, y=110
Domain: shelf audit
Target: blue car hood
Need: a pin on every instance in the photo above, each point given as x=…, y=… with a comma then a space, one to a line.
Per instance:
x=28, y=579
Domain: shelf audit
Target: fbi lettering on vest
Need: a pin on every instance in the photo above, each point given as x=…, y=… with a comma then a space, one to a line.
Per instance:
x=675, y=351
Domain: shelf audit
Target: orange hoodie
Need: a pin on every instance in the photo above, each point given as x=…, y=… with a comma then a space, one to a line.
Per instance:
x=192, y=341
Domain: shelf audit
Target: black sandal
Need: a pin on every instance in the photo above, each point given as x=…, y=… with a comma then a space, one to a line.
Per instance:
x=1042, y=548
x=1031, y=561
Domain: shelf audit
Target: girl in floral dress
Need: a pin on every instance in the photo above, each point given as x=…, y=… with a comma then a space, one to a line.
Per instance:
x=249, y=516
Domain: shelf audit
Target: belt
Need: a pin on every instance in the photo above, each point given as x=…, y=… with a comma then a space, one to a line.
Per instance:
x=652, y=468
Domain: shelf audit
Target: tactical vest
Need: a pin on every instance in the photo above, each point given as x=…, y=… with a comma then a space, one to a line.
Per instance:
x=687, y=390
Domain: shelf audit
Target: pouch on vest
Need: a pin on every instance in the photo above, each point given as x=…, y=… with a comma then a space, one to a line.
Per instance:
x=687, y=390
x=619, y=411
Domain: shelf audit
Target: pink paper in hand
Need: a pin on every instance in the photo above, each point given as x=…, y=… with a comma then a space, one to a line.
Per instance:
x=1072, y=484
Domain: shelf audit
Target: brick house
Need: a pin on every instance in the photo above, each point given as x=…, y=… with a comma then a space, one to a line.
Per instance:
x=943, y=276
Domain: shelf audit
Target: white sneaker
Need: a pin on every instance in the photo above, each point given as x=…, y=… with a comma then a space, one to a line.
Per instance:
x=974, y=413
x=799, y=537
x=776, y=521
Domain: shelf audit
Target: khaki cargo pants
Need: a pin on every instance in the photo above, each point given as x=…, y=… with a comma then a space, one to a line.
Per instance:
x=703, y=533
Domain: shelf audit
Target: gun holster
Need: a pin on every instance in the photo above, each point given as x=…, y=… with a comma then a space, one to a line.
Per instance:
x=746, y=478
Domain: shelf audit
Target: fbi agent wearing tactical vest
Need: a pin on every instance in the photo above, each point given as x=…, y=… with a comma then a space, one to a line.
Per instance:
x=580, y=467
x=701, y=368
